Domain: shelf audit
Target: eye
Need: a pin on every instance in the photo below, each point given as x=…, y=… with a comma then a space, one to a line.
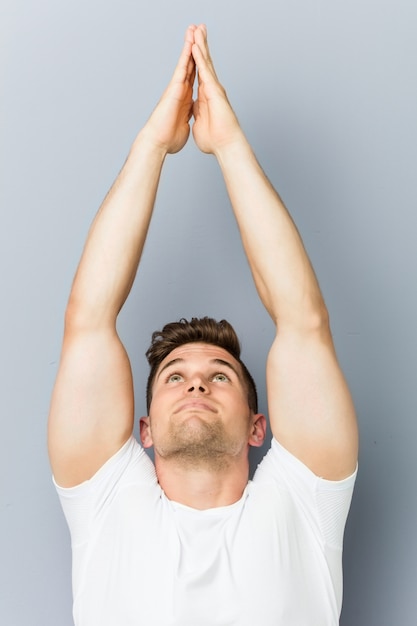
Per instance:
x=220, y=378
x=174, y=378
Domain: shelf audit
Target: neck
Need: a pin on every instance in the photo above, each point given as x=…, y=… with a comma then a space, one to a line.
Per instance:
x=203, y=486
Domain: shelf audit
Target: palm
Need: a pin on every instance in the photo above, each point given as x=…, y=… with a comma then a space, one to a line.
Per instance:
x=170, y=120
x=215, y=122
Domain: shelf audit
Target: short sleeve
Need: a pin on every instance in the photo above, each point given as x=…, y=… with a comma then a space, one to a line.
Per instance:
x=326, y=503
x=84, y=504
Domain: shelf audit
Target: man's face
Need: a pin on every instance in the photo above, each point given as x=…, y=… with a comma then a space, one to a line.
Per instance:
x=199, y=411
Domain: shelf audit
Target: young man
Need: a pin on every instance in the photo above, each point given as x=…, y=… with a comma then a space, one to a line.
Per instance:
x=190, y=541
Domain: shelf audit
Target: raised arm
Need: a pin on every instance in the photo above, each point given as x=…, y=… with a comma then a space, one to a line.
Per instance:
x=310, y=407
x=92, y=404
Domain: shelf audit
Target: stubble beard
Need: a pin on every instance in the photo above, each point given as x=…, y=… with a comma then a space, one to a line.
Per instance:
x=203, y=445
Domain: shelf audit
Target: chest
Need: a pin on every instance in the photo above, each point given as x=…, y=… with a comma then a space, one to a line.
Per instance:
x=167, y=567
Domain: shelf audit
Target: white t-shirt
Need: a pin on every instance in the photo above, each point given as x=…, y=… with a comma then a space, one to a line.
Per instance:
x=274, y=558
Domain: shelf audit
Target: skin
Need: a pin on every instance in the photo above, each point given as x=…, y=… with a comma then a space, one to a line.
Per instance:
x=201, y=426
x=310, y=409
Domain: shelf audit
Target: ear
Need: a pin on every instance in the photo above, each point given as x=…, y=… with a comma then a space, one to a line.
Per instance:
x=145, y=432
x=258, y=430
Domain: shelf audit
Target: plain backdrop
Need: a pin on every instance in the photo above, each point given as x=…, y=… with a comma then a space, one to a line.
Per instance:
x=326, y=92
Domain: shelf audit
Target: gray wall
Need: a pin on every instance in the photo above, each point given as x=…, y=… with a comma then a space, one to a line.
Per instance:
x=326, y=91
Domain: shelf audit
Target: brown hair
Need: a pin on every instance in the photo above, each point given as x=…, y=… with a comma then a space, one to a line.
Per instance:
x=204, y=330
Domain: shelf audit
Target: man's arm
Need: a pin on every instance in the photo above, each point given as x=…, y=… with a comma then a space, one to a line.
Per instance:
x=310, y=407
x=92, y=404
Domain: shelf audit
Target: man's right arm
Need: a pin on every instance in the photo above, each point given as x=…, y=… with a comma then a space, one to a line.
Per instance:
x=92, y=404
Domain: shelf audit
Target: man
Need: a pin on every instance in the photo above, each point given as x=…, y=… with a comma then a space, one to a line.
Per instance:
x=190, y=541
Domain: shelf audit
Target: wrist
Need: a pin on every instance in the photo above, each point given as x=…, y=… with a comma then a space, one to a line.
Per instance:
x=145, y=144
x=233, y=150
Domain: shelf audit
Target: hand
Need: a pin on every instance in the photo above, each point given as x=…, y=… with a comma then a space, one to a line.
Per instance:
x=215, y=123
x=168, y=127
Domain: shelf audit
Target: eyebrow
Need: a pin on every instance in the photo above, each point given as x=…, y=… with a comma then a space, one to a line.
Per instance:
x=226, y=364
x=168, y=365
x=214, y=361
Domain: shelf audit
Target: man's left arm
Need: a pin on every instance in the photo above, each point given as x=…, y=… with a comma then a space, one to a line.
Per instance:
x=310, y=408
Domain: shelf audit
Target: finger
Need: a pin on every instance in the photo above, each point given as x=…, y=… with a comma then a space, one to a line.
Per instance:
x=192, y=72
x=185, y=63
x=201, y=54
x=190, y=112
x=189, y=35
x=205, y=71
x=200, y=37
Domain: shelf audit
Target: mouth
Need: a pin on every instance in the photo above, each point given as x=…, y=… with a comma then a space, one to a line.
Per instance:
x=195, y=405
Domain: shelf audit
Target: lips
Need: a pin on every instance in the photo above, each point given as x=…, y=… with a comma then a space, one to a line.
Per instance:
x=196, y=405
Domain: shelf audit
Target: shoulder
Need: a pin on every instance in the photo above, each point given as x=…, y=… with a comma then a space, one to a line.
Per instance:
x=129, y=464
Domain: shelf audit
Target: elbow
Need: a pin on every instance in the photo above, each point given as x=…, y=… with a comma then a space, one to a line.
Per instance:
x=76, y=316
x=318, y=319
x=305, y=319
x=81, y=315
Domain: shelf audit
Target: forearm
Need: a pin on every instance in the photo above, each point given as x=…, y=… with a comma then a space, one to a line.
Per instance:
x=283, y=274
x=115, y=242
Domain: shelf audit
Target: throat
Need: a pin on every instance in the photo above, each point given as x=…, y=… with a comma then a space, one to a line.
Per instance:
x=202, y=483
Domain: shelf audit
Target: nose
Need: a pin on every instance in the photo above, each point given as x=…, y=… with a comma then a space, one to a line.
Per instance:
x=197, y=384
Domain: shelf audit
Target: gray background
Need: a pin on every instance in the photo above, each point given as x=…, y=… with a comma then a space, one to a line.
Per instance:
x=326, y=91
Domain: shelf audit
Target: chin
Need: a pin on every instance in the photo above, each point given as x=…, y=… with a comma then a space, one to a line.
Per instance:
x=199, y=443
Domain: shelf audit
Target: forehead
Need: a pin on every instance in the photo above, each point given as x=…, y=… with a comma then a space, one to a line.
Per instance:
x=201, y=353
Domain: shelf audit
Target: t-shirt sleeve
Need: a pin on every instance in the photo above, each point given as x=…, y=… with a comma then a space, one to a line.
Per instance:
x=326, y=503
x=85, y=503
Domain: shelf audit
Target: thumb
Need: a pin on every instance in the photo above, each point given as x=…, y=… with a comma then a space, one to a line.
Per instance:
x=195, y=109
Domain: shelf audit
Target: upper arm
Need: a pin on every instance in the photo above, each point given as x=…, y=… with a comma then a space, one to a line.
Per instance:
x=91, y=413
x=310, y=406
